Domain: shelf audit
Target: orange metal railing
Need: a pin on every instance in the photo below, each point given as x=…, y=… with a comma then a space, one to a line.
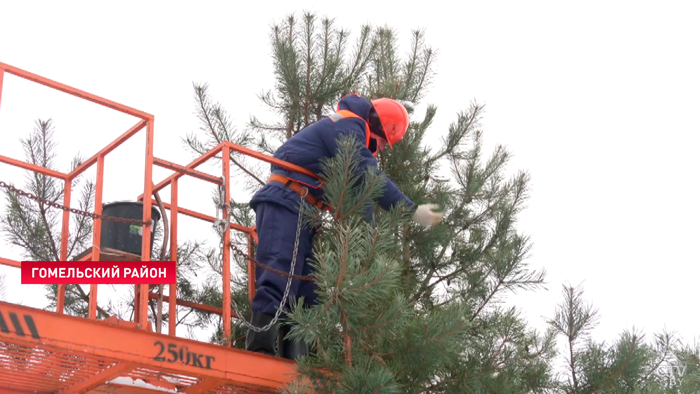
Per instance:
x=225, y=148
x=147, y=122
x=142, y=293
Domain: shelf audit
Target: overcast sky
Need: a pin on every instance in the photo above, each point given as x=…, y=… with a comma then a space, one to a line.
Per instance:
x=598, y=101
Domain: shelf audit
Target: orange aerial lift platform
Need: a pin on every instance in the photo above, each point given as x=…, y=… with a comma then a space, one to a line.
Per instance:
x=51, y=352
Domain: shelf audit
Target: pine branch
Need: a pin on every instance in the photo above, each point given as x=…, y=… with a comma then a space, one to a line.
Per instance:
x=217, y=128
x=426, y=340
x=33, y=227
x=86, y=298
x=618, y=372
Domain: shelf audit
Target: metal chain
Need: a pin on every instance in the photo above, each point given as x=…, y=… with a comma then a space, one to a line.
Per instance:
x=289, y=279
x=266, y=268
x=69, y=209
x=222, y=224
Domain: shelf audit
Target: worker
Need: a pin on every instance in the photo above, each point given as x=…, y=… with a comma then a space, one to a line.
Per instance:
x=375, y=124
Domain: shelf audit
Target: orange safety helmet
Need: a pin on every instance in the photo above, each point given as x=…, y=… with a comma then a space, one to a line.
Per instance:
x=394, y=119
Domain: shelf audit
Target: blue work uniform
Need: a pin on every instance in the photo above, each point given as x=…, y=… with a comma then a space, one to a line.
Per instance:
x=276, y=206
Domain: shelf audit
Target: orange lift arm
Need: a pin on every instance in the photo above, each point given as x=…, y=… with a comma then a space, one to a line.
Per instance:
x=51, y=352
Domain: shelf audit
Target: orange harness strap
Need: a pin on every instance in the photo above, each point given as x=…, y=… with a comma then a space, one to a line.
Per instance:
x=299, y=189
x=341, y=114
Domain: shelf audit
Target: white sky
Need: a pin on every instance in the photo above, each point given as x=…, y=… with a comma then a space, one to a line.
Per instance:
x=597, y=101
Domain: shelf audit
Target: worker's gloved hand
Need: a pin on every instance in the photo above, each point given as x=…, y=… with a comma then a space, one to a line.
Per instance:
x=425, y=216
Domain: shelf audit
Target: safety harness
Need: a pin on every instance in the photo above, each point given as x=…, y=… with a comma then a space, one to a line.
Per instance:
x=301, y=187
x=297, y=187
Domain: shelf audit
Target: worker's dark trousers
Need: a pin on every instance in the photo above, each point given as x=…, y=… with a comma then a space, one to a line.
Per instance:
x=276, y=228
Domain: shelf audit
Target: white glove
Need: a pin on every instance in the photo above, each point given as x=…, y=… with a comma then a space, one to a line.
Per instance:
x=425, y=216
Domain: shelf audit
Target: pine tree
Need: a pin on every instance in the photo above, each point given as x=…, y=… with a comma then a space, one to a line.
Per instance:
x=306, y=87
x=404, y=309
x=368, y=336
x=34, y=226
x=312, y=69
x=476, y=255
x=631, y=364
x=445, y=280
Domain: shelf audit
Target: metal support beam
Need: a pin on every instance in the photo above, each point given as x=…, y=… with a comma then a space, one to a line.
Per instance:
x=98, y=379
x=97, y=340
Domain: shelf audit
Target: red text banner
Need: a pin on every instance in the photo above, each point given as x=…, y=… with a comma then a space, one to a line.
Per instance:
x=99, y=272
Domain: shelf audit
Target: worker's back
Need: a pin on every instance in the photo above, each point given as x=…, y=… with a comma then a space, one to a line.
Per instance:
x=319, y=140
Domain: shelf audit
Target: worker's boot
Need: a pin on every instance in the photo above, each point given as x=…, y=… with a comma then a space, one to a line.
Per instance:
x=264, y=341
x=291, y=349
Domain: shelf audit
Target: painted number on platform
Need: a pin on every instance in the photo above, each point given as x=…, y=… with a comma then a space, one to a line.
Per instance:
x=172, y=353
x=13, y=324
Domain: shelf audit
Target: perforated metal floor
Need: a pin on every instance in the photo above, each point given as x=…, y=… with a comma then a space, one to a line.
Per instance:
x=44, y=352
